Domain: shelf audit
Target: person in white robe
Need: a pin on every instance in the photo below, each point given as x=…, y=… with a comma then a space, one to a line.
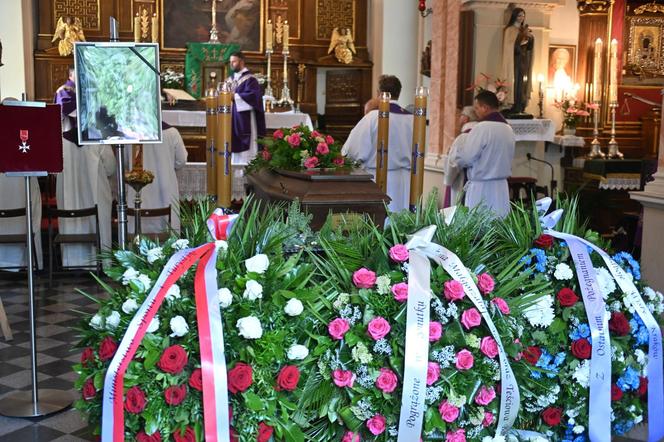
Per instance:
x=453, y=175
x=487, y=155
x=162, y=159
x=84, y=182
x=361, y=145
x=13, y=197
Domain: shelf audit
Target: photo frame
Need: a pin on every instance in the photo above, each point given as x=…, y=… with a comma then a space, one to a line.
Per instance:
x=562, y=60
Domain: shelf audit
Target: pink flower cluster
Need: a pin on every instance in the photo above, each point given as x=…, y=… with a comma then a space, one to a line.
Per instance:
x=343, y=378
x=364, y=278
x=386, y=380
x=376, y=424
x=400, y=291
x=378, y=328
x=453, y=290
x=338, y=328
x=399, y=253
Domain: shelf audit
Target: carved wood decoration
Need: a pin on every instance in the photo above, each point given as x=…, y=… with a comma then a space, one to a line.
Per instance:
x=592, y=6
x=332, y=14
x=86, y=10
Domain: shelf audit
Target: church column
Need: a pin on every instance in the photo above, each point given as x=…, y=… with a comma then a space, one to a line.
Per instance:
x=17, y=24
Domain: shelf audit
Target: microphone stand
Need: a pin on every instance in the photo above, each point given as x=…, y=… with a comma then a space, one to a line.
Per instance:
x=554, y=184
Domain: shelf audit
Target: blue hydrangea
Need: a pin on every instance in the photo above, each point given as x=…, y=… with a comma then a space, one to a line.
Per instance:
x=620, y=428
x=547, y=362
x=639, y=330
x=581, y=331
x=629, y=380
x=633, y=267
x=580, y=438
x=540, y=259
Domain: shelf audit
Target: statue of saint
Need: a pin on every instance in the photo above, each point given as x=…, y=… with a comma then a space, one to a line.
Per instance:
x=517, y=63
x=341, y=43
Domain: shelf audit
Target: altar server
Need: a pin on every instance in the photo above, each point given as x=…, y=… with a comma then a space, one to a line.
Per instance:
x=84, y=182
x=487, y=155
x=361, y=144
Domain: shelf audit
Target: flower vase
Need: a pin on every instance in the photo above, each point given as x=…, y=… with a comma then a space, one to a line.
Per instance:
x=569, y=130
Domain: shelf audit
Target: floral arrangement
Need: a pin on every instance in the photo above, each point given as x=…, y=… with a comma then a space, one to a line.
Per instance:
x=171, y=79
x=573, y=111
x=299, y=148
x=484, y=82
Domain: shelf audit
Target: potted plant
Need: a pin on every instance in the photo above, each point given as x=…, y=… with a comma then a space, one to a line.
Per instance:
x=573, y=111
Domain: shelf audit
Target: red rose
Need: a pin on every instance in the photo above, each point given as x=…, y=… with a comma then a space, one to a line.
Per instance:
x=567, y=297
x=135, y=400
x=89, y=390
x=188, y=435
x=196, y=379
x=581, y=348
x=240, y=378
x=532, y=355
x=551, y=416
x=643, y=386
x=88, y=355
x=616, y=393
x=288, y=378
x=107, y=348
x=264, y=432
x=619, y=324
x=173, y=359
x=175, y=394
x=142, y=436
x=544, y=242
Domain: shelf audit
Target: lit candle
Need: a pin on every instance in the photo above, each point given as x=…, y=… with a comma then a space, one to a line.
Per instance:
x=137, y=28
x=613, y=83
x=419, y=144
x=540, y=80
x=597, y=71
x=382, y=141
x=155, y=28
x=286, y=36
x=223, y=147
x=268, y=36
x=210, y=136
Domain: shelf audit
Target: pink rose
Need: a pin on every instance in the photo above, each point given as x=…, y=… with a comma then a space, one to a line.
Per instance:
x=315, y=134
x=311, y=162
x=485, y=395
x=433, y=373
x=349, y=436
x=435, y=331
x=322, y=149
x=386, y=380
x=489, y=346
x=448, y=412
x=502, y=305
x=453, y=290
x=329, y=140
x=471, y=318
x=266, y=155
x=464, y=360
x=456, y=436
x=376, y=424
x=488, y=419
x=399, y=253
x=338, y=328
x=343, y=378
x=278, y=134
x=378, y=328
x=364, y=278
x=400, y=291
x=485, y=283
x=338, y=161
x=294, y=139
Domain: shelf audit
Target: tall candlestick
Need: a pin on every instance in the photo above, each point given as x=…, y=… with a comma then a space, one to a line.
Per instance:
x=382, y=140
x=214, y=12
x=155, y=28
x=597, y=71
x=268, y=36
x=540, y=96
x=137, y=28
x=419, y=144
x=214, y=33
x=210, y=135
x=223, y=146
x=613, y=83
x=286, y=36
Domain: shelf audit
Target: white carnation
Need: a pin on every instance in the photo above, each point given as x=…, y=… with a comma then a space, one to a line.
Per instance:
x=154, y=254
x=640, y=356
x=129, y=275
x=541, y=313
x=297, y=352
x=294, y=307
x=129, y=306
x=582, y=374
x=253, y=290
x=145, y=281
x=605, y=281
x=383, y=284
x=179, y=327
x=112, y=320
x=181, y=244
x=249, y=327
x=154, y=325
x=257, y=264
x=563, y=272
x=97, y=322
x=225, y=297
x=578, y=429
x=173, y=293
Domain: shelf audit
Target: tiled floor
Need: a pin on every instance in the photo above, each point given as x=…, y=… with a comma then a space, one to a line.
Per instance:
x=57, y=313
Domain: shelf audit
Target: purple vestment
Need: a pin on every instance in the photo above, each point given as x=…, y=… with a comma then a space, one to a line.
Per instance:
x=250, y=91
x=66, y=97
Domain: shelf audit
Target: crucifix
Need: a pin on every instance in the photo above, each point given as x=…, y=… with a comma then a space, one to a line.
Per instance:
x=214, y=34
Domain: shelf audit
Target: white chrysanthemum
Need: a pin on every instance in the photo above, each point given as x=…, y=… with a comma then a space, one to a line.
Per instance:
x=294, y=307
x=383, y=284
x=582, y=374
x=541, y=313
x=97, y=322
x=129, y=275
x=361, y=354
x=145, y=281
x=179, y=327
x=249, y=327
x=154, y=254
x=563, y=272
x=257, y=264
x=578, y=429
x=112, y=320
x=154, y=325
x=341, y=301
x=253, y=290
x=225, y=297
x=297, y=352
x=181, y=244
x=606, y=283
x=572, y=412
x=129, y=306
x=173, y=293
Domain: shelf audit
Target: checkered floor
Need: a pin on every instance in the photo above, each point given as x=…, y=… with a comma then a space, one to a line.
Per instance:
x=57, y=312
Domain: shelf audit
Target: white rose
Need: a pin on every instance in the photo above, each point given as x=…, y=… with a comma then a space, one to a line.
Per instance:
x=154, y=254
x=145, y=281
x=181, y=244
x=249, y=327
x=297, y=352
x=129, y=275
x=294, y=307
x=563, y=272
x=112, y=320
x=173, y=293
x=154, y=325
x=97, y=322
x=179, y=327
x=225, y=297
x=257, y=264
x=253, y=290
x=129, y=306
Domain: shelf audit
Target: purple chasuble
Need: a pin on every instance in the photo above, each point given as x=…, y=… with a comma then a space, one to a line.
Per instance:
x=496, y=117
x=396, y=109
x=250, y=91
x=66, y=98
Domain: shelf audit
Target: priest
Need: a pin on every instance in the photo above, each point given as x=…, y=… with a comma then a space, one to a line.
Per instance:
x=361, y=144
x=65, y=96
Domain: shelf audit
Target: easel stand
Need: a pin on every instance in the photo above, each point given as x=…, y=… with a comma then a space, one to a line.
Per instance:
x=37, y=402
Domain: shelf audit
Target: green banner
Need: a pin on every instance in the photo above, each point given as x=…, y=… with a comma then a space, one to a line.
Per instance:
x=199, y=53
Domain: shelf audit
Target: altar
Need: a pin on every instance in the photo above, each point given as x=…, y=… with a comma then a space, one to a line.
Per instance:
x=273, y=120
x=539, y=129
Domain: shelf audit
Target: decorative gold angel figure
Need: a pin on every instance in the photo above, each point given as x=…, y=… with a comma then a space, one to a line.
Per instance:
x=342, y=44
x=69, y=30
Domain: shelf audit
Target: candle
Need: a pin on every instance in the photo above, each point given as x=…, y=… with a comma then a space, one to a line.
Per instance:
x=540, y=80
x=210, y=135
x=214, y=12
x=613, y=79
x=268, y=36
x=137, y=28
x=285, y=36
x=419, y=144
x=137, y=163
x=597, y=72
x=223, y=147
x=382, y=140
x=155, y=28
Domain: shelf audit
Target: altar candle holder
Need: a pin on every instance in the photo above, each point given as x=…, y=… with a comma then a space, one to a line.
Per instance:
x=210, y=136
x=223, y=145
x=614, y=151
x=595, y=147
x=419, y=140
x=540, y=103
x=214, y=33
x=285, y=99
x=382, y=140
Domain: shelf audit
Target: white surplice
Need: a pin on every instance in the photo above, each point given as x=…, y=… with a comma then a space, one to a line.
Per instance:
x=361, y=146
x=487, y=155
x=83, y=183
x=12, y=196
x=162, y=159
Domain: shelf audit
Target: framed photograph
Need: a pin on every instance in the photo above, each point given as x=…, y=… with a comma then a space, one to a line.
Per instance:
x=238, y=21
x=562, y=64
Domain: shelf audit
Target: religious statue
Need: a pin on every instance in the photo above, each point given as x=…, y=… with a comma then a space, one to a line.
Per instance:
x=69, y=30
x=342, y=44
x=517, y=61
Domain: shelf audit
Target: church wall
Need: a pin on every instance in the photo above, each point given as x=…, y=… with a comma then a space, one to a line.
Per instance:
x=16, y=30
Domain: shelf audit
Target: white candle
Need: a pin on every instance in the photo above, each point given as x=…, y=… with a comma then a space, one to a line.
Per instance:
x=285, y=36
x=137, y=28
x=613, y=83
x=597, y=72
x=155, y=28
x=268, y=36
